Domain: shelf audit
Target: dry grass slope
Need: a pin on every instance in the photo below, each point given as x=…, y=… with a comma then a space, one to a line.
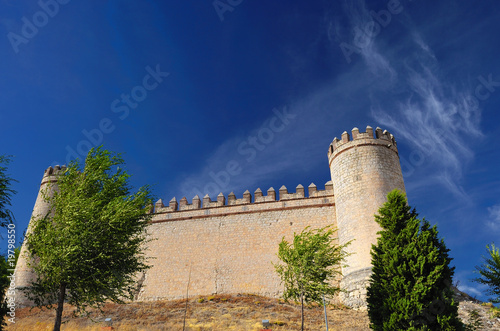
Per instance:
x=219, y=312
x=223, y=312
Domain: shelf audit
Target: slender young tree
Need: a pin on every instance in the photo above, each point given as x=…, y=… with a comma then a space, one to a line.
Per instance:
x=6, y=192
x=310, y=264
x=89, y=248
x=489, y=272
x=411, y=282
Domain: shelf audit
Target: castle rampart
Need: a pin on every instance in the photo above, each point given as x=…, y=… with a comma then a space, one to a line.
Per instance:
x=209, y=207
x=228, y=248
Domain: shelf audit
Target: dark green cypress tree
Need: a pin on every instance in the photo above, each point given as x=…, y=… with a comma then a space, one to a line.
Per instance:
x=411, y=284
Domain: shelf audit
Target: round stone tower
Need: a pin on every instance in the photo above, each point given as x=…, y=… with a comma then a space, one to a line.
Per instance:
x=24, y=274
x=364, y=169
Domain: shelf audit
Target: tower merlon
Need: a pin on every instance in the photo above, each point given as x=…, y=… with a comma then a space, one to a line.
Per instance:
x=355, y=133
x=271, y=193
x=183, y=202
x=247, y=196
x=159, y=204
x=231, y=198
x=196, y=202
x=221, y=199
x=206, y=201
x=345, y=137
x=300, y=190
x=312, y=189
x=283, y=190
x=257, y=194
x=173, y=204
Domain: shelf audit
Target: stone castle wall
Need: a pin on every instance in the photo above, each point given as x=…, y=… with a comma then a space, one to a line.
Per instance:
x=228, y=248
x=229, y=245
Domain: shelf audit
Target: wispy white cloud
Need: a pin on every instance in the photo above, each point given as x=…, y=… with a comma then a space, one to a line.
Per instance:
x=437, y=120
x=470, y=290
x=400, y=83
x=494, y=214
x=463, y=281
x=413, y=99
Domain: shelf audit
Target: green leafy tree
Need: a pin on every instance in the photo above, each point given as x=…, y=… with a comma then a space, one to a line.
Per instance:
x=489, y=272
x=6, y=192
x=89, y=248
x=310, y=265
x=410, y=286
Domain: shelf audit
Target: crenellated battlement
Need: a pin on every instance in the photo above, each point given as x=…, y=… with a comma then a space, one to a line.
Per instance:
x=258, y=198
x=379, y=137
x=50, y=174
x=54, y=171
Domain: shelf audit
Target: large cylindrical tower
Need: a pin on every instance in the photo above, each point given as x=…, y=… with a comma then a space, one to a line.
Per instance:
x=24, y=274
x=364, y=169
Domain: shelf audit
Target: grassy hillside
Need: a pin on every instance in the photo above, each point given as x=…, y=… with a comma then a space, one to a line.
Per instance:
x=224, y=312
x=240, y=312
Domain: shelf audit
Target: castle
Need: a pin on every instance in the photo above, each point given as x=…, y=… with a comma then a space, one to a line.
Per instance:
x=229, y=245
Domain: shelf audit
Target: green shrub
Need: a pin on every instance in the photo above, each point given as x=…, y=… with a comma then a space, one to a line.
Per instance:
x=494, y=312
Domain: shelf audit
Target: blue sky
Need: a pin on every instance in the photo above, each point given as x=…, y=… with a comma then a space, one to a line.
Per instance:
x=189, y=89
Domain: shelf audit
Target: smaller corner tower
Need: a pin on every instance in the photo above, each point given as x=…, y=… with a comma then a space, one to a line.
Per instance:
x=364, y=168
x=24, y=274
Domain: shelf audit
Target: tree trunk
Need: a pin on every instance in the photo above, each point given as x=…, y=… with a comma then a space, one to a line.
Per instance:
x=60, y=304
x=302, y=310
